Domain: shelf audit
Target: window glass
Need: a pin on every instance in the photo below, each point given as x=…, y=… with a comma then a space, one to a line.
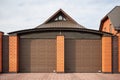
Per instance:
x=60, y=18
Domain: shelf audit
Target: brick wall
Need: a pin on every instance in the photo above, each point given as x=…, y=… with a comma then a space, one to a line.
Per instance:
x=108, y=27
x=60, y=53
x=1, y=37
x=106, y=54
x=13, y=53
x=119, y=52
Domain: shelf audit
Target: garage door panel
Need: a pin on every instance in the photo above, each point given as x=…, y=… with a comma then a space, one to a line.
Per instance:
x=37, y=54
x=82, y=55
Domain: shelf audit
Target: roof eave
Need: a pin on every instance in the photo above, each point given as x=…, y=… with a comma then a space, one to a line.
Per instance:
x=59, y=29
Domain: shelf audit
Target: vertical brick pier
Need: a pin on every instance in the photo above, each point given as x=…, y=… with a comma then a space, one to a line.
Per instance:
x=60, y=53
x=106, y=54
x=1, y=45
x=13, y=53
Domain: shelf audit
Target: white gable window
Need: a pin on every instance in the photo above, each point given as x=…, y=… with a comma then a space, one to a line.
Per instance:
x=56, y=19
x=64, y=19
x=60, y=18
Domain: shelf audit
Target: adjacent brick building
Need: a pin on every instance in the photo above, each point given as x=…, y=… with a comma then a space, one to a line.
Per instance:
x=60, y=44
x=111, y=24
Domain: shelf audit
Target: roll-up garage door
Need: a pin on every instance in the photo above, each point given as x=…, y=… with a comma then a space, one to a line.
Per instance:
x=37, y=55
x=82, y=55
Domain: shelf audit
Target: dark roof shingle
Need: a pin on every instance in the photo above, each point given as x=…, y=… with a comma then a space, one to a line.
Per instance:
x=114, y=16
x=64, y=24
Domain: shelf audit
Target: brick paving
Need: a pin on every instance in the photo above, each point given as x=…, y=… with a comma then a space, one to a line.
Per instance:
x=59, y=76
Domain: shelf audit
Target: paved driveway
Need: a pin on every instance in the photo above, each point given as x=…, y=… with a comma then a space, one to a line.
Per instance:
x=59, y=76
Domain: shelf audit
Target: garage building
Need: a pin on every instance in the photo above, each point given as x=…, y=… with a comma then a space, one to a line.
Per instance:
x=60, y=44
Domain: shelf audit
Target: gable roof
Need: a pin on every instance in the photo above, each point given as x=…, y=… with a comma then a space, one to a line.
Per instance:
x=114, y=16
x=67, y=22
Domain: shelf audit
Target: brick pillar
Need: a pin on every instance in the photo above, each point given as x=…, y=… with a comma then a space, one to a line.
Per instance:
x=1, y=37
x=106, y=54
x=60, y=54
x=13, y=54
x=119, y=52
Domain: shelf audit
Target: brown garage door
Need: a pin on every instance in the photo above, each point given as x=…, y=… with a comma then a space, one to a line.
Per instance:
x=82, y=55
x=37, y=55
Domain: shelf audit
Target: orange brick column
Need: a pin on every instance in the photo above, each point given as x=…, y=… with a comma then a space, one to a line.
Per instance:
x=60, y=54
x=119, y=52
x=13, y=54
x=1, y=35
x=106, y=54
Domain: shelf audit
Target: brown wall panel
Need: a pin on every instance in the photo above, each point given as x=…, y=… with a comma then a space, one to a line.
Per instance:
x=5, y=55
x=67, y=34
x=114, y=54
x=106, y=54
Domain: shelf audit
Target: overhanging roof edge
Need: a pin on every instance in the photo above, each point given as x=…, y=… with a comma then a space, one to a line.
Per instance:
x=59, y=29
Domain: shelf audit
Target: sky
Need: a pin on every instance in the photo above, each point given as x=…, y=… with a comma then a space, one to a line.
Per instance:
x=25, y=14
